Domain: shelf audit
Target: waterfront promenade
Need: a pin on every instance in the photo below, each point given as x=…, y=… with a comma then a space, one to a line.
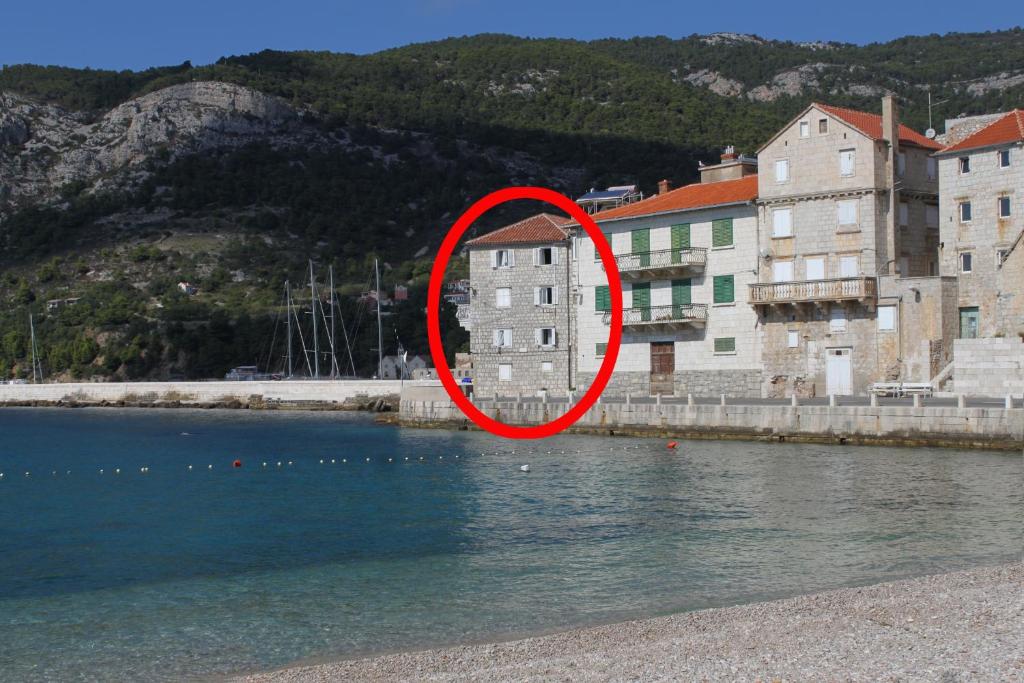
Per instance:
x=951, y=627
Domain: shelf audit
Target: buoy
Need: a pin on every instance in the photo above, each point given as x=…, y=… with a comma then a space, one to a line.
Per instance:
x=389, y=459
x=209, y=467
x=236, y=463
x=278, y=463
x=54, y=473
x=344, y=460
x=189, y=467
x=332, y=461
x=367, y=460
x=524, y=468
x=407, y=458
x=101, y=471
x=117, y=471
x=672, y=444
x=321, y=462
x=289, y=463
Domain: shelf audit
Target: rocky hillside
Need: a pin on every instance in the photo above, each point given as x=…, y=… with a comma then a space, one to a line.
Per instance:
x=114, y=186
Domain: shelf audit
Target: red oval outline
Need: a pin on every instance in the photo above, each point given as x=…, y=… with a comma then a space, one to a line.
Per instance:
x=444, y=255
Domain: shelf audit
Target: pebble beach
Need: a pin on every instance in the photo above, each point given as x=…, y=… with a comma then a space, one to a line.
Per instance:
x=962, y=626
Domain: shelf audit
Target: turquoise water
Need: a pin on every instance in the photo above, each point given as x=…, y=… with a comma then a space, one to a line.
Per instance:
x=178, y=573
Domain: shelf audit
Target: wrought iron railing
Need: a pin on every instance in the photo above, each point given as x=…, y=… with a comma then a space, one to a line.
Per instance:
x=650, y=315
x=834, y=289
x=666, y=258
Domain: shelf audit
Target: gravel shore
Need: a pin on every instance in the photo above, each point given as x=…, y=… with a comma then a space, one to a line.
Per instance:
x=964, y=626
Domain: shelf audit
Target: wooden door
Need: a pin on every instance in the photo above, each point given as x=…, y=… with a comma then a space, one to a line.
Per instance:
x=839, y=372
x=663, y=367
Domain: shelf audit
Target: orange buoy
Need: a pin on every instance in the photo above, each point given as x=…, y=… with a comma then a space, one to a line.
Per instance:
x=672, y=444
x=237, y=463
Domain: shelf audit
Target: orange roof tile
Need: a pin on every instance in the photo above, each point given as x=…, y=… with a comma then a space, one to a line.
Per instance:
x=871, y=125
x=1009, y=128
x=695, y=196
x=542, y=228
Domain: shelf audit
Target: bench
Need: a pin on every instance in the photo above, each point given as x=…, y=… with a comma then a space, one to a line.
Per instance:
x=916, y=388
x=885, y=388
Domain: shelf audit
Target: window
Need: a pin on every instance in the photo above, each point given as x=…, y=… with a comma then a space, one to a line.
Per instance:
x=504, y=372
x=547, y=366
x=886, y=318
x=725, y=345
x=1001, y=256
x=965, y=212
x=724, y=289
x=1003, y=156
x=837, y=320
x=904, y=214
x=846, y=209
x=931, y=216
x=721, y=233
x=545, y=336
x=932, y=168
x=503, y=297
x=964, y=163
x=847, y=162
x=545, y=256
x=849, y=266
x=597, y=256
x=805, y=129
x=792, y=339
x=782, y=222
x=815, y=267
x=681, y=292
x=1004, y=207
x=782, y=271
x=503, y=258
x=822, y=126
x=545, y=296
x=679, y=240
x=966, y=262
x=602, y=298
x=600, y=349
x=904, y=265
x=503, y=338
x=901, y=164
x=782, y=170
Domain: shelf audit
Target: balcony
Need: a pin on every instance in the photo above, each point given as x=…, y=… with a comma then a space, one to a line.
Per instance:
x=663, y=317
x=664, y=263
x=813, y=291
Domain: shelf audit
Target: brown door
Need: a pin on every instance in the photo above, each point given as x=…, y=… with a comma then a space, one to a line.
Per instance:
x=663, y=365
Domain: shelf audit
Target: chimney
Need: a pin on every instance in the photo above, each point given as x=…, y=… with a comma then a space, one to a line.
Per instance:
x=664, y=186
x=891, y=134
x=732, y=166
x=890, y=122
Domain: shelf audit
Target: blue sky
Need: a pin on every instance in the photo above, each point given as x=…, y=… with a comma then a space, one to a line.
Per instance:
x=118, y=34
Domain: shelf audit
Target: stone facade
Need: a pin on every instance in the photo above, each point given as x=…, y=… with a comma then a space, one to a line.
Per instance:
x=532, y=366
x=988, y=286
x=989, y=367
x=1010, y=297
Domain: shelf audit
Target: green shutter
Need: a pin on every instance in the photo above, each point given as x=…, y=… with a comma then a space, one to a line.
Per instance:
x=725, y=289
x=602, y=298
x=681, y=292
x=680, y=240
x=725, y=344
x=640, y=243
x=721, y=233
x=597, y=255
x=600, y=349
x=642, y=299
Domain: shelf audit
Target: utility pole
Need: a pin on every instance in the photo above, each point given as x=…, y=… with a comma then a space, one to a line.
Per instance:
x=380, y=333
x=288, y=315
x=316, y=341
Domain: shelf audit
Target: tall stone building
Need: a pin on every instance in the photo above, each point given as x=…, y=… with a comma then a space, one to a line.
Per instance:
x=685, y=258
x=846, y=293
x=520, y=313
x=981, y=177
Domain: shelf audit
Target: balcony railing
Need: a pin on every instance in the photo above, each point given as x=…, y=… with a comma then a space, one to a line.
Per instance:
x=811, y=291
x=664, y=262
x=675, y=315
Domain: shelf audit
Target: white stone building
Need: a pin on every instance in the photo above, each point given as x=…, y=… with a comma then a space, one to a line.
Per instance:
x=685, y=257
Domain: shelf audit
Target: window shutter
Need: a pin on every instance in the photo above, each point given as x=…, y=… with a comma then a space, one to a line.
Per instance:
x=536, y=296
x=554, y=296
x=600, y=349
x=602, y=298
x=721, y=233
x=725, y=344
x=554, y=255
x=496, y=340
x=642, y=295
x=536, y=256
x=681, y=292
x=536, y=336
x=680, y=240
x=494, y=258
x=554, y=337
x=724, y=289
x=511, y=257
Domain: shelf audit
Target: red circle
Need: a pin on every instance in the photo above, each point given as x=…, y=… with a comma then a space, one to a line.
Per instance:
x=444, y=254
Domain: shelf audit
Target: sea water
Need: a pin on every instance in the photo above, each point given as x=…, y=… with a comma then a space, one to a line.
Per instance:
x=338, y=537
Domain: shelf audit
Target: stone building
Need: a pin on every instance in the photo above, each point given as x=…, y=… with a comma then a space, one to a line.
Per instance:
x=981, y=177
x=520, y=313
x=392, y=367
x=685, y=258
x=846, y=293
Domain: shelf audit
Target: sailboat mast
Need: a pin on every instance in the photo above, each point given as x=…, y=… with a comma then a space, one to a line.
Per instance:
x=334, y=357
x=316, y=340
x=380, y=333
x=288, y=315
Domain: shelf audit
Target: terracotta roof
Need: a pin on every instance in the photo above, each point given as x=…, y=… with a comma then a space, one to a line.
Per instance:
x=871, y=125
x=1009, y=128
x=544, y=227
x=696, y=196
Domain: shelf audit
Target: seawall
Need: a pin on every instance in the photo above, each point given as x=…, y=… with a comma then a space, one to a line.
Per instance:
x=301, y=394
x=954, y=427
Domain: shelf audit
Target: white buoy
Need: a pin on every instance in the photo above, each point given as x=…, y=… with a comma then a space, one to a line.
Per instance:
x=389, y=459
x=278, y=463
x=407, y=458
x=101, y=471
x=367, y=460
x=54, y=473
x=189, y=468
x=209, y=467
x=332, y=461
x=289, y=463
x=117, y=471
x=344, y=460
x=524, y=468
x=321, y=462
x=27, y=474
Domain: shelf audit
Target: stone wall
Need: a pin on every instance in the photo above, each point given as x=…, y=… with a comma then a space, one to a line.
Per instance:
x=1010, y=298
x=989, y=367
x=696, y=382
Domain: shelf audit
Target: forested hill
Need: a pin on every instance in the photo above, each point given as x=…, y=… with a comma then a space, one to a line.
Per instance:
x=232, y=175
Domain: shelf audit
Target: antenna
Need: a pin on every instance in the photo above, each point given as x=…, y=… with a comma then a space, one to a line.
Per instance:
x=930, y=133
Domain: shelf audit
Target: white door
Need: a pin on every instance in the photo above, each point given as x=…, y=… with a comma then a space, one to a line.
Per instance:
x=839, y=378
